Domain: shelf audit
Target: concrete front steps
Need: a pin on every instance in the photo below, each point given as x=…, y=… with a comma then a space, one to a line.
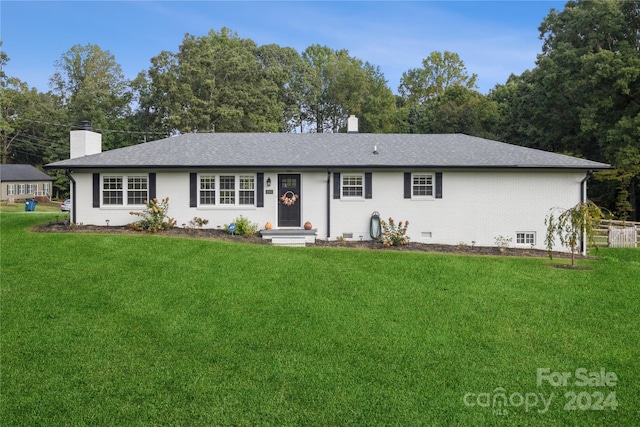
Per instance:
x=289, y=237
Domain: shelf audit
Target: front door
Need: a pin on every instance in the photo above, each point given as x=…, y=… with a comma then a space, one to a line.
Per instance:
x=289, y=200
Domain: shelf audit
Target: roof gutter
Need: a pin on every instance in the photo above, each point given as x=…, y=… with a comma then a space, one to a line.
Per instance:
x=67, y=172
x=346, y=166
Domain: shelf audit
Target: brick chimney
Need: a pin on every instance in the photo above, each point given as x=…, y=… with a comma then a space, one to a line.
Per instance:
x=352, y=124
x=85, y=142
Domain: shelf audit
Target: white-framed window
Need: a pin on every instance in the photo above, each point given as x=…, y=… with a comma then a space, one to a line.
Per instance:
x=207, y=189
x=22, y=189
x=247, y=190
x=352, y=185
x=137, y=190
x=32, y=188
x=422, y=185
x=526, y=238
x=115, y=192
x=112, y=190
x=11, y=189
x=46, y=188
x=227, y=190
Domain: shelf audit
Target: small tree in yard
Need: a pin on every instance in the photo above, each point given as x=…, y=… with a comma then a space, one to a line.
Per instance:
x=573, y=225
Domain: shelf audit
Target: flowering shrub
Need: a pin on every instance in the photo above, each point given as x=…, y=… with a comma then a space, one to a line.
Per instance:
x=196, y=223
x=394, y=235
x=243, y=227
x=154, y=218
x=503, y=242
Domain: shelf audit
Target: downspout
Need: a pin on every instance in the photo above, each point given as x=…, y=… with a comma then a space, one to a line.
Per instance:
x=583, y=199
x=328, y=203
x=67, y=172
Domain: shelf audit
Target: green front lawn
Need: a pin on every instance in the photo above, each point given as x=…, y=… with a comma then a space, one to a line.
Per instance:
x=151, y=330
x=40, y=208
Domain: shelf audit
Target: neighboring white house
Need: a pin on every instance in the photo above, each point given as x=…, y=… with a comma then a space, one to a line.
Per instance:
x=452, y=188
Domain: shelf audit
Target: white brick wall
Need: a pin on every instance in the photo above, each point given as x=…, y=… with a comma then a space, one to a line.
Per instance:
x=476, y=205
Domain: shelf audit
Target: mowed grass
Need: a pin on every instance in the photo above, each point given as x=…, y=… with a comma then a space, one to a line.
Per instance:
x=40, y=208
x=151, y=330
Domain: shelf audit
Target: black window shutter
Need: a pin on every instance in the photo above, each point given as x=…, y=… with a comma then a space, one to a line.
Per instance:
x=193, y=190
x=368, y=191
x=407, y=185
x=438, y=185
x=152, y=186
x=96, y=190
x=336, y=185
x=260, y=190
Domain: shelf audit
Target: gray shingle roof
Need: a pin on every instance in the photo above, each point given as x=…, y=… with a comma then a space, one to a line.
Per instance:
x=267, y=150
x=22, y=173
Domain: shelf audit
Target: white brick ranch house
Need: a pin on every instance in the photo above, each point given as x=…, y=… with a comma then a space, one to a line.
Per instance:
x=452, y=188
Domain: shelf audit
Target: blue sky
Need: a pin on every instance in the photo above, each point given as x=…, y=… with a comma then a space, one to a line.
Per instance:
x=493, y=38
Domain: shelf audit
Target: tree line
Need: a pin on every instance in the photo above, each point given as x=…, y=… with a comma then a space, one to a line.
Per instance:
x=581, y=98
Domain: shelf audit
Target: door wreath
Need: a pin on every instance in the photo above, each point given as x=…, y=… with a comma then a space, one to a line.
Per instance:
x=289, y=198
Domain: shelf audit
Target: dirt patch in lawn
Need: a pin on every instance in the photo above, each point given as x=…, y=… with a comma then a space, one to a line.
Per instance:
x=215, y=234
x=570, y=267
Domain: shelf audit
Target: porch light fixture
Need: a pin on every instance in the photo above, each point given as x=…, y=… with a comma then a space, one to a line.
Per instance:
x=268, y=182
x=107, y=221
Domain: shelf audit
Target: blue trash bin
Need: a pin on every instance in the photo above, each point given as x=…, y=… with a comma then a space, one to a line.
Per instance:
x=30, y=205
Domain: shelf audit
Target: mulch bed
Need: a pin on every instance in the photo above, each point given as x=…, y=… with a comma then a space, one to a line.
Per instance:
x=215, y=234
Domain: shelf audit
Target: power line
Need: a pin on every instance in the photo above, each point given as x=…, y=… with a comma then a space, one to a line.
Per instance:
x=53, y=144
x=70, y=126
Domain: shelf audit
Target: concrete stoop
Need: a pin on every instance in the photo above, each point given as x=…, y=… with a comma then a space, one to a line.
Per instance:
x=290, y=237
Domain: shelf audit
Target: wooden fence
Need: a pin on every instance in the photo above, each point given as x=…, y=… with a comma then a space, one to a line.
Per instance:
x=618, y=234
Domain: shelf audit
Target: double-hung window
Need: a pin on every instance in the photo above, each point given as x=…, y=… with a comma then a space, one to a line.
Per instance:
x=352, y=185
x=11, y=189
x=137, y=190
x=247, y=190
x=46, y=188
x=112, y=190
x=422, y=185
x=116, y=189
x=22, y=189
x=227, y=190
x=32, y=189
x=207, y=190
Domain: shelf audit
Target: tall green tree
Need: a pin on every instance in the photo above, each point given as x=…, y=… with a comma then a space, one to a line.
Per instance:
x=158, y=98
x=456, y=110
x=92, y=87
x=438, y=72
x=218, y=82
x=284, y=67
x=340, y=85
x=26, y=118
